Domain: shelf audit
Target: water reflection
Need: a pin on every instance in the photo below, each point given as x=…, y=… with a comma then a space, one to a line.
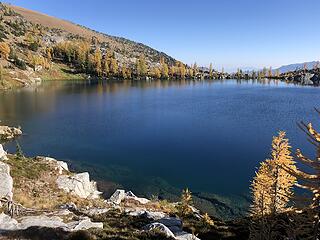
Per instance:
x=184, y=132
x=25, y=103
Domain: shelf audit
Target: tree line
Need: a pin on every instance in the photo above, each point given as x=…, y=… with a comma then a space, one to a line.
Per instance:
x=105, y=64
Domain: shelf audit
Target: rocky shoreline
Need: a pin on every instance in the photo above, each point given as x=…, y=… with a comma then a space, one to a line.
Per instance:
x=303, y=77
x=42, y=193
x=80, y=186
x=8, y=133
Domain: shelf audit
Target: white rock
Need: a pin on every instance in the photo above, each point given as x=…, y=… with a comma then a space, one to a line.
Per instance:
x=148, y=214
x=185, y=236
x=41, y=221
x=155, y=215
x=6, y=181
x=86, y=224
x=79, y=185
x=7, y=223
x=56, y=222
x=3, y=154
x=117, y=196
x=130, y=195
x=96, y=211
x=161, y=228
x=60, y=165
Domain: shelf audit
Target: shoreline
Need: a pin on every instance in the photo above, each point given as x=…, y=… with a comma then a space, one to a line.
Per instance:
x=42, y=192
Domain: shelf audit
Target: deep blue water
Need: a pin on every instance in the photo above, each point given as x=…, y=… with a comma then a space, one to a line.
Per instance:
x=208, y=136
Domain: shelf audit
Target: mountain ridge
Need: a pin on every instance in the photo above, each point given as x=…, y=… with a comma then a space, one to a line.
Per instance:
x=35, y=47
x=77, y=29
x=296, y=66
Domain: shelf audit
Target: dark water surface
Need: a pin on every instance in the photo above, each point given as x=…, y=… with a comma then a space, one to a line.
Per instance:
x=208, y=136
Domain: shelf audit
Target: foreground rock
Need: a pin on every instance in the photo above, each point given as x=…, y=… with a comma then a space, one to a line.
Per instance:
x=160, y=228
x=136, y=212
x=59, y=166
x=9, y=133
x=79, y=185
x=120, y=195
x=8, y=224
x=171, y=227
x=6, y=182
x=3, y=154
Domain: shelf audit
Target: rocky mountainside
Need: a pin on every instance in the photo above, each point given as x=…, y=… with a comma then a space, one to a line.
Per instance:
x=126, y=50
x=35, y=46
x=297, y=66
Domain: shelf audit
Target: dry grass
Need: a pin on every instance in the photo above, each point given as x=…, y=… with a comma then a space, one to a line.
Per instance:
x=59, y=72
x=35, y=186
x=55, y=23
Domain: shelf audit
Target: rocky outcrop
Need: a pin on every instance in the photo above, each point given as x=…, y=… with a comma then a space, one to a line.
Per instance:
x=131, y=196
x=117, y=197
x=59, y=166
x=79, y=185
x=120, y=195
x=171, y=227
x=315, y=79
x=41, y=221
x=136, y=212
x=185, y=236
x=85, y=224
x=8, y=224
x=6, y=182
x=68, y=217
x=3, y=154
x=159, y=227
x=304, y=79
x=9, y=133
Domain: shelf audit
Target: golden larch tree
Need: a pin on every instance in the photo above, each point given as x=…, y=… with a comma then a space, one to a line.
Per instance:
x=124, y=72
x=142, y=68
x=195, y=69
x=281, y=159
x=97, y=61
x=156, y=73
x=210, y=71
x=4, y=50
x=272, y=190
x=114, y=66
x=182, y=70
x=261, y=191
x=105, y=66
x=272, y=186
x=172, y=71
x=186, y=203
x=270, y=72
x=164, y=68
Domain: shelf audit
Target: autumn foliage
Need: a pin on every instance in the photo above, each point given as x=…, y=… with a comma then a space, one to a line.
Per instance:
x=275, y=213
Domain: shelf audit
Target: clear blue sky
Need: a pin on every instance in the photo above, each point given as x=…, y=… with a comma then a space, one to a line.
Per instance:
x=229, y=33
